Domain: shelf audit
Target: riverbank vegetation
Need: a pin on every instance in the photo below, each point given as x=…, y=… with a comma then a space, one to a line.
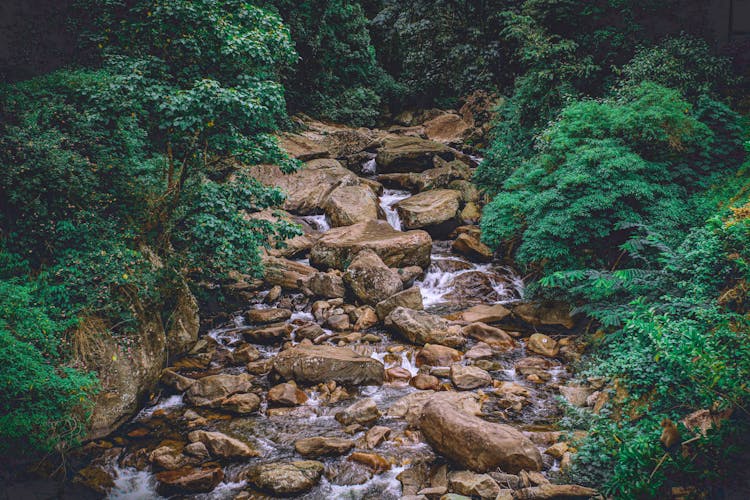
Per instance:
x=616, y=167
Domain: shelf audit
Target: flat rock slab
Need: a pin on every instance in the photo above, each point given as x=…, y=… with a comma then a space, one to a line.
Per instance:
x=312, y=364
x=286, y=478
x=435, y=211
x=337, y=247
x=410, y=154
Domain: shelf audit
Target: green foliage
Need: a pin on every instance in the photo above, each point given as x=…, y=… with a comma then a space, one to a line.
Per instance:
x=123, y=174
x=603, y=167
x=337, y=76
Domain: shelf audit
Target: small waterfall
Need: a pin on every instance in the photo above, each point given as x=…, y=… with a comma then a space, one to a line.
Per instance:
x=133, y=484
x=391, y=197
x=317, y=222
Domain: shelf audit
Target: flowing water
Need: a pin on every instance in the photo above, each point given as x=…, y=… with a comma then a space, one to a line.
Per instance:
x=451, y=283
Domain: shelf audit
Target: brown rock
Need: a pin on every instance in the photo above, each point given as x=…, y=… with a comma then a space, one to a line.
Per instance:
x=448, y=128
x=542, y=344
x=317, y=364
x=435, y=211
x=241, y=404
x=420, y=327
x=469, y=377
x=376, y=435
x=222, y=446
x=370, y=279
x=349, y=205
x=363, y=412
x=437, y=355
x=490, y=335
x=374, y=461
x=320, y=446
x=411, y=298
x=287, y=394
x=211, y=390
x=398, y=374
x=410, y=154
x=327, y=285
x=423, y=382
x=469, y=245
x=286, y=478
x=485, y=314
x=545, y=314
x=472, y=484
x=189, y=480
x=264, y=316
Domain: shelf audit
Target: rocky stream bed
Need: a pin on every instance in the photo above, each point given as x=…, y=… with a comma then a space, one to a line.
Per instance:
x=386, y=354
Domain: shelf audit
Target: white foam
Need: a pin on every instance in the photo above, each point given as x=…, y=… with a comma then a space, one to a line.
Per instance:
x=133, y=484
x=168, y=403
x=389, y=198
x=370, y=167
x=386, y=485
x=318, y=222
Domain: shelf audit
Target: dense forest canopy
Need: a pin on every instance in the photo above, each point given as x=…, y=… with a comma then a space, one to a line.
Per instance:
x=615, y=171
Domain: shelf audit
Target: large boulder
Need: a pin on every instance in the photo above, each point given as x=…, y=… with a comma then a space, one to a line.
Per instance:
x=303, y=147
x=209, y=391
x=437, y=355
x=475, y=443
x=313, y=364
x=363, y=412
x=349, y=205
x=410, y=407
x=442, y=175
x=410, y=298
x=222, y=446
x=484, y=313
x=435, y=211
x=490, y=335
x=337, y=247
x=287, y=274
x=469, y=377
x=286, y=478
x=370, y=279
x=540, y=314
x=328, y=285
x=420, y=327
x=189, y=480
x=319, y=446
x=308, y=189
x=448, y=129
x=410, y=154
x=469, y=244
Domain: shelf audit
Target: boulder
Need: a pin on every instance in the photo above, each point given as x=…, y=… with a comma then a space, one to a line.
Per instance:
x=308, y=189
x=318, y=364
x=437, y=355
x=469, y=245
x=241, y=404
x=490, y=335
x=319, y=446
x=175, y=380
x=339, y=322
x=473, y=442
x=327, y=285
x=265, y=316
x=411, y=298
x=410, y=154
x=370, y=279
x=469, y=377
x=544, y=314
x=484, y=313
x=448, y=129
x=302, y=147
x=211, y=390
x=337, y=247
x=479, y=351
x=189, y=480
x=286, y=394
x=271, y=334
x=376, y=435
x=434, y=211
x=425, y=382
x=473, y=484
x=420, y=327
x=551, y=491
x=542, y=344
x=349, y=205
x=166, y=457
x=363, y=412
x=576, y=394
x=222, y=446
x=286, y=478
x=442, y=175
x=287, y=274
x=411, y=406
x=376, y=462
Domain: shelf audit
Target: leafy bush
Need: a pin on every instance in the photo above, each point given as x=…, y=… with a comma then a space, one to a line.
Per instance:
x=601, y=168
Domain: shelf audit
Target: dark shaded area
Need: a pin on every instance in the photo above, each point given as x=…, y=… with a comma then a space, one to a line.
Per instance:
x=34, y=38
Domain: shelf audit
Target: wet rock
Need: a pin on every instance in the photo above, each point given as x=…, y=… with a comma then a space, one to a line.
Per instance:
x=410, y=407
x=309, y=331
x=320, y=446
x=469, y=245
x=264, y=316
x=472, y=484
x=166, y=457
x=410, y=154
x=479, y=351
x=209, y=391
x=423, y=382
x=363, y=412
x=374, y=461
x=327, y=285
x=542, y=344
x=409, y=274
x=286, y=394
x=475, y=443
x=337, y=247
x=471, y=214
x=366, y=318
x=469, y=377
x=376, y=435
x=544, y=314
x=349, y=205
x=288, y=274
x=437, y=355
x=557, y=450
x=420, y=327
x=272, y=334
x=370, y=279
x=398, y=374
x=302, y=147
x=339, y=322
x=507, y=481
x=316, y=364
x=494, y=337
x=175, y=380
x=222, y=446
x=449, y=128
x=189, y=480
x=197, y=450
x=434, y=211
x=286, y=478
x=442, y=175
x=241, y=404
x=484, y=314
x=259, y=367
x=273, y=294
x=245, y=354
x=411, y=298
